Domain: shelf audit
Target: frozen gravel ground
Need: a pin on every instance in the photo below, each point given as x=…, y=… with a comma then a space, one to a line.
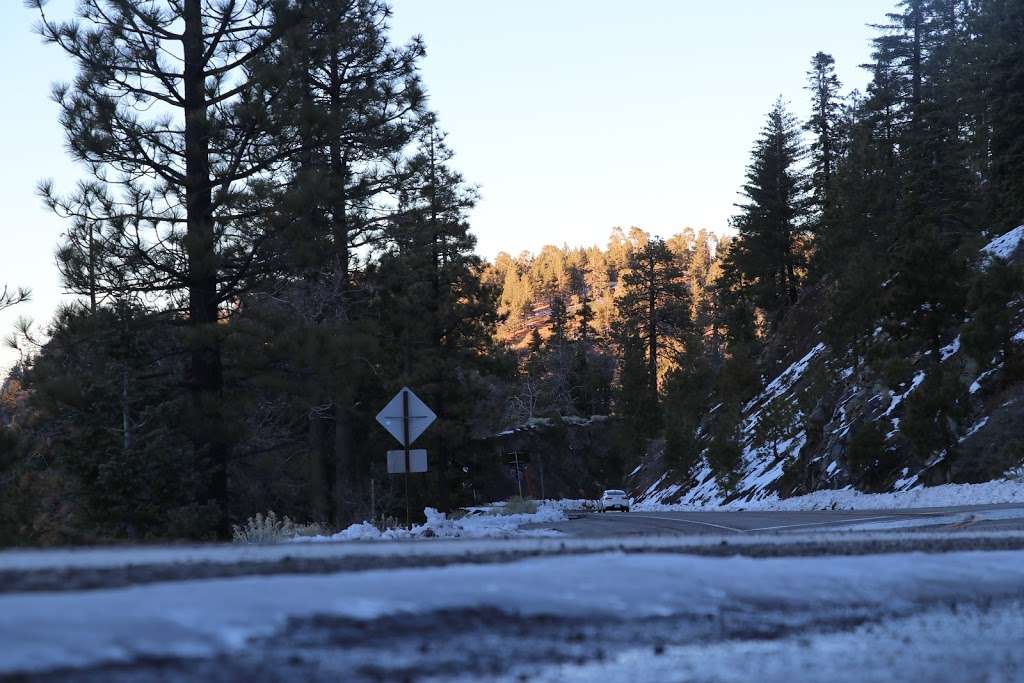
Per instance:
x=388, y=625
x=967, y=641
x=948, y=644
x=87, y=569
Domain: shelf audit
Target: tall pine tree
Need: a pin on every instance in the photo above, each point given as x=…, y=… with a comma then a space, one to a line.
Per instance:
x=766, y=264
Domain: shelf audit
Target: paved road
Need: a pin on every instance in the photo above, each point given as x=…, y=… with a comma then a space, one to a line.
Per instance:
x=989, y=517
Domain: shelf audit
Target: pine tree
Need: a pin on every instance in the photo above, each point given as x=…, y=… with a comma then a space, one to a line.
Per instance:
x=536, y=345
x=168, y=112
x=997, y=65
x=991, y=329
x=352, y=104
x=825, y=125
x=766, y=263
x=937, y=209
x=688, y=390
x=725, y=452
x=635, y=403
x=559, y=319
x=584, y=319
x=437, y=314
x=654, y=304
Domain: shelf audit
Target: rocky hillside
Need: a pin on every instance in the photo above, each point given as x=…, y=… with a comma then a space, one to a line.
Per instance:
x=818, y=403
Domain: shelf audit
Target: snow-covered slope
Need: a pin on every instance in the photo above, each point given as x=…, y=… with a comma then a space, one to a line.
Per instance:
x=812, y=456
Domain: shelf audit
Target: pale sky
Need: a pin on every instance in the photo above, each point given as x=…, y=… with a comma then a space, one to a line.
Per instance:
x=573, y=116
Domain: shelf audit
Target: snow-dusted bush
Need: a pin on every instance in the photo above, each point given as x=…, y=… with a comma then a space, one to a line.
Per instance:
x=518, y=506
x=440, y=525
x=270, y=528
x=386, y=522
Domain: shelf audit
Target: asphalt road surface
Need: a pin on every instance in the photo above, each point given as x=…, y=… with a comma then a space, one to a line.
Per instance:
x=607, y=524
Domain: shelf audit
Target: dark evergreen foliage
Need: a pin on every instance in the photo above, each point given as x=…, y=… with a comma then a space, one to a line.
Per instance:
x=766, y=264
x=273, y=239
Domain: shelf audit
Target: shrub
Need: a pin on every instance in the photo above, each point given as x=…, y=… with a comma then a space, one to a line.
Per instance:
x=932, y=413
x=385, y=522
x=270, y=528
x=866, y=457
x=725, y=456
x=518, y=506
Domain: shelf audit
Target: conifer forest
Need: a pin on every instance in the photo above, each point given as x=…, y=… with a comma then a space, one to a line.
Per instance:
x=271, y=236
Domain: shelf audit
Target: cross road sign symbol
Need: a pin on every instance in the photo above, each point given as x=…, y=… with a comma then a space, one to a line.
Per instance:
x=393, y=418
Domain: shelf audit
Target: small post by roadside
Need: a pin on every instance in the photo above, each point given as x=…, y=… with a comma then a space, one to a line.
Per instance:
x=519, y=482
x=405, y=444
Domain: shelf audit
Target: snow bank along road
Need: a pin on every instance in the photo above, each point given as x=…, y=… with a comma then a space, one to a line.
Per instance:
x=941, y=605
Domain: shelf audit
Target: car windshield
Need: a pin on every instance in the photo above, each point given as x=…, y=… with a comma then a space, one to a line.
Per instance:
x=614, y=493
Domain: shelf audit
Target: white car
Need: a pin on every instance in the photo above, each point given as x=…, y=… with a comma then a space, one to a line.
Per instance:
x=614, y=499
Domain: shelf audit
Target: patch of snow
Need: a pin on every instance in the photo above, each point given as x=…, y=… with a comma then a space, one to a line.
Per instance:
x=977, y=384
x=438, y=525
x=786, y=379
x=899, y=398
x=653, y=487
x=978, y=426
x=43, y=631
x=1004, y=247
x=950, y=350
x=948, y=495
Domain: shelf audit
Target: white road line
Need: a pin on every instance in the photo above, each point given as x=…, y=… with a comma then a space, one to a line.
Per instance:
x=831, y=521
x=688, y=521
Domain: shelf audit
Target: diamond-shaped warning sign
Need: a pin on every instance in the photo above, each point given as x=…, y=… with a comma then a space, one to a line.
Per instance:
x=394, y=416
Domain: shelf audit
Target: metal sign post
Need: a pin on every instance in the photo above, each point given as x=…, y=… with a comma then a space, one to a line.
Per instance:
x=406, y=417
x=519, y=481
x=405, y=446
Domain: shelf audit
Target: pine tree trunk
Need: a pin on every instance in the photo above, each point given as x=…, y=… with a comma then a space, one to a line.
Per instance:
x=344, y=466
x=652, y=332
x=321, y=424
x=343, y=457
x=206, y=379
x=321, y=472
x=916, y=58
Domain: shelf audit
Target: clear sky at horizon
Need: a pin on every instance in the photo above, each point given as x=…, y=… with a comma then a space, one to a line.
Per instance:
x=572, y=116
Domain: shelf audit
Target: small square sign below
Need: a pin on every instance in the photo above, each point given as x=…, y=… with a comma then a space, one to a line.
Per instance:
x=417, y=461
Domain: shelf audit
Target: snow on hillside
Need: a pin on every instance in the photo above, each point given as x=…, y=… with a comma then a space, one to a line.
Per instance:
x=1006, y=245
x=948, y=495
x=785, y=381
x=863, y=396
